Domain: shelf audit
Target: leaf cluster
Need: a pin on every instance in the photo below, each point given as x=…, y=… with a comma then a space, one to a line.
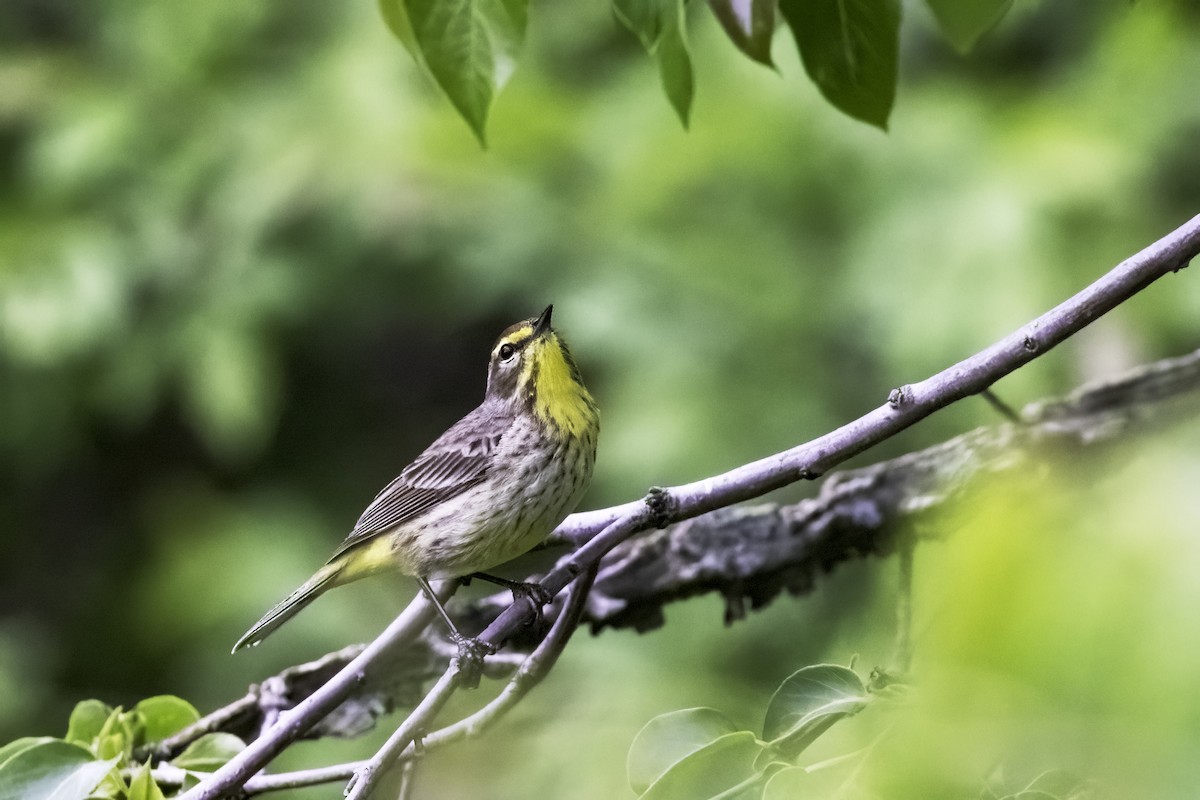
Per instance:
x=98, y=757
x=849, y=47
x=699, y=753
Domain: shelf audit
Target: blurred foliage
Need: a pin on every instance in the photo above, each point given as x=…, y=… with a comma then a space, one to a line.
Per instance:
x=251, y=263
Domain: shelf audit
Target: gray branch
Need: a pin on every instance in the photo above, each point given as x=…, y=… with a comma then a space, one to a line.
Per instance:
x=531, y=672
x=600, y=532
x=751, y=554
x=747, y=554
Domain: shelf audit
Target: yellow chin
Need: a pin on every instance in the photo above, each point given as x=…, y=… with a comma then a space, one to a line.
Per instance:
x=560, y=399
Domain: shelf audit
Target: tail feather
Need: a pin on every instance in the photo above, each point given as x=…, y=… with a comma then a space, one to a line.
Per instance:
x=291, y=605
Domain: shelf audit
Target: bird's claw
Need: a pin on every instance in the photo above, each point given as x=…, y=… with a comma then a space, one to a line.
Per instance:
x=536, y=595
x=662, y=505
x=469, y=661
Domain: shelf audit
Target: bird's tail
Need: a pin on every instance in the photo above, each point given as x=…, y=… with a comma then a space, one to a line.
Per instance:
x=291, y=605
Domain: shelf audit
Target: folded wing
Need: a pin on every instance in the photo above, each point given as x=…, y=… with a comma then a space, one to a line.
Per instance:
x=457, y=461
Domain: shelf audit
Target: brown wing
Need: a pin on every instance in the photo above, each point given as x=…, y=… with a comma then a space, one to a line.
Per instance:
x=458, y=460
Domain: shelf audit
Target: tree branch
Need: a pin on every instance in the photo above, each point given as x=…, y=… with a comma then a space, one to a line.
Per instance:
x=529, y=675
x=749, y=553
x=368, y=776
x=598, y=532
x=531, y=672
x=400, y=682
x=752, y=553
x=911, y=403
x=294, y=723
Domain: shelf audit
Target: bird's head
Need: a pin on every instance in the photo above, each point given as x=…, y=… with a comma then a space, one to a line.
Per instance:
x=531, y=364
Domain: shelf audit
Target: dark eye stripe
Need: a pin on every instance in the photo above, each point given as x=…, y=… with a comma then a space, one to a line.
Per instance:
x=516, y=345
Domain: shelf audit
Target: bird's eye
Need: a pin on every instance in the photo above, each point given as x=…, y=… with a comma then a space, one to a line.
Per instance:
x=507, y=351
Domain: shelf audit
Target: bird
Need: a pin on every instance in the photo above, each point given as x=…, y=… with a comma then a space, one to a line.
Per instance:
x=489, y=489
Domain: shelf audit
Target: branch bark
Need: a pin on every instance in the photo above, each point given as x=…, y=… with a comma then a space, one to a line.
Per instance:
x=599, y=532
x=750, y=554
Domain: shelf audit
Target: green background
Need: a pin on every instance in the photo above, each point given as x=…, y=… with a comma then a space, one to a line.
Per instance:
x=251, y=263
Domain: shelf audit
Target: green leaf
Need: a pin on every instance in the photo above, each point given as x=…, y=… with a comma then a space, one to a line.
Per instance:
x=964, y=21
x=112, y=787
x=87, y=720
x=119, y=734
x=849, y=49
x=788, y=783
x=165, y=715
x=661, y=25
x=53, y=770
x=669, y=738
x=20, y=745
x=143, y=787
x=808, y=702
x=116, y=736
x=209, y=752
x=469, y=46
x=113, y=745
x=752, y=787
x=813, y=781
x=749, y=24
x=396, y=16
x=709, y=771
x=675, y=66
x=648, y=19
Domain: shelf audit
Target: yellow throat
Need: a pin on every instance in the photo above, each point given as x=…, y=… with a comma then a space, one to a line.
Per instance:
x=560, y=397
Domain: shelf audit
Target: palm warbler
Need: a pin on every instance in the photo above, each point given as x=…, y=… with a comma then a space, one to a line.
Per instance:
x=489, y=489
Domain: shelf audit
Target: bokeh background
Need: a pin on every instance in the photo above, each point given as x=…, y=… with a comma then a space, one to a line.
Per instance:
x=251, y=263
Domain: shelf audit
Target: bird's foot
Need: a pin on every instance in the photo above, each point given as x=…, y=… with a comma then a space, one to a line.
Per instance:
x=469, y=661
x=662, y=505
x=534, y=593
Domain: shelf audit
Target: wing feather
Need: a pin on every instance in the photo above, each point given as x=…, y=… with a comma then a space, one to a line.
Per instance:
x=458, y=460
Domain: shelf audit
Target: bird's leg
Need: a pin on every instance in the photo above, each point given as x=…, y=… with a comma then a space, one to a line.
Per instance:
x=471, y=652
x=537, y=595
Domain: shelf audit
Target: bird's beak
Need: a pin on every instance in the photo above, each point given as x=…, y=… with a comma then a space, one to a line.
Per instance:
x=543, y=322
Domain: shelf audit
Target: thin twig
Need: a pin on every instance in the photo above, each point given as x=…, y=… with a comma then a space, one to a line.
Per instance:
x=261, y=784
x=292, y=724
x=408, y=779
x=171, y=778
x=215, y=721
x=365, y=779
x=262, y=701
x=532, y=671
x=602, y=530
